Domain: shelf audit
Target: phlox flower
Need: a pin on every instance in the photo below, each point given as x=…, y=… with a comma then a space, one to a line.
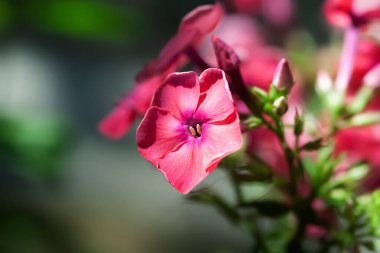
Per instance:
x=351, y=13
x=276, y=12
x=190, y=126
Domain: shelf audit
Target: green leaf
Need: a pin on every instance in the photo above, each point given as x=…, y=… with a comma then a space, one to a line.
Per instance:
x=210, y=198
x=251, y=173
x=361, y=100
x=313, y=145
x=253, y=122
x=268, y=208
x=364, y=119
x=260, y=93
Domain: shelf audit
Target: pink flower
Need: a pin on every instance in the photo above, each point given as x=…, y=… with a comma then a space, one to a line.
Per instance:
x=257, y=60
x=190, y=126
x=347, y=13
x=367, y=56
x=276, y=12
x=363, y=143
x=193, y=28
x=258, y=69
x=243, y=40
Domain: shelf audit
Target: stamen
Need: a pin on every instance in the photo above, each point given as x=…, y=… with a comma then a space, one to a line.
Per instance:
x=199, y=129
x=192, y=131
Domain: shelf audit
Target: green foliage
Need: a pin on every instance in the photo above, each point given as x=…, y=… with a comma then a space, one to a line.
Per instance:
x=85, y=19
x=33, y=146
x=359, y=226
x=6, y=16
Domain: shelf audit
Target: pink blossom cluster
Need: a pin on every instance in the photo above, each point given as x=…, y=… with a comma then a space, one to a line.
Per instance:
x=192, y=120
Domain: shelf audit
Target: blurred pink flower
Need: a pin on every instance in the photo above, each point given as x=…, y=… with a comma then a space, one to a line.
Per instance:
x=190, y=126
x=257, y=60
x=119, y=121
x=363, y=143
x=193, y=28
x=276, y=12
x=348, y=13
x=243, y=40
x=191, y=32
x=367, y=56
x=315, y=231
x=258, y=68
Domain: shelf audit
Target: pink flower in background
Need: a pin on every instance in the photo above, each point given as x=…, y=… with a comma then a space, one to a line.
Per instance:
x=363, y=143
x=119, y=121
x=193, y=28
x=367, y=56
x=191, y=125
x=257, y=60
x=191, y=32
x=276, y=12
x=347, y=13
x=258, y=69
x=243, y=40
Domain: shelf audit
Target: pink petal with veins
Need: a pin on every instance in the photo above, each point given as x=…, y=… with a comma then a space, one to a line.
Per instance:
x=178, y=94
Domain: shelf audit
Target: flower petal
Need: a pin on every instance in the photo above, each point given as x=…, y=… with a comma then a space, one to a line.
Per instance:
x=220, y=140
x=216, y=102
x=338, y=12
x=158, y=134
x=204, y=19
x=117, y=123
x=170, y=57
x=178, y=94
x=184, y=168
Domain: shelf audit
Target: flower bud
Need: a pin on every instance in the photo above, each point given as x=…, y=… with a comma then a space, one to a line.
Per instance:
x=227, y=58
x=372, y=78
x=280, y=105
x=298, y=123
x=283, y=77
x=324, y=82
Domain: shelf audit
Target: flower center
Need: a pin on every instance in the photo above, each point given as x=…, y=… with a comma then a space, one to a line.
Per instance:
x=196, y=130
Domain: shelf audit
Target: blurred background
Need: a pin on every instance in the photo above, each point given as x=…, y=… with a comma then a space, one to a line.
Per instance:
x=63, y=186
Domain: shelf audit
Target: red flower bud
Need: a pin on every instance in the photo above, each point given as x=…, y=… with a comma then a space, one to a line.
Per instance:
x=226, y=56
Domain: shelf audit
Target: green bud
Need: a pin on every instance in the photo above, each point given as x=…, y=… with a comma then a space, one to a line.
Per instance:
x=262, y=94
x=280, y=106
x=324, y=83
x=313, y=145
x=298, y=124
x=253, y=122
